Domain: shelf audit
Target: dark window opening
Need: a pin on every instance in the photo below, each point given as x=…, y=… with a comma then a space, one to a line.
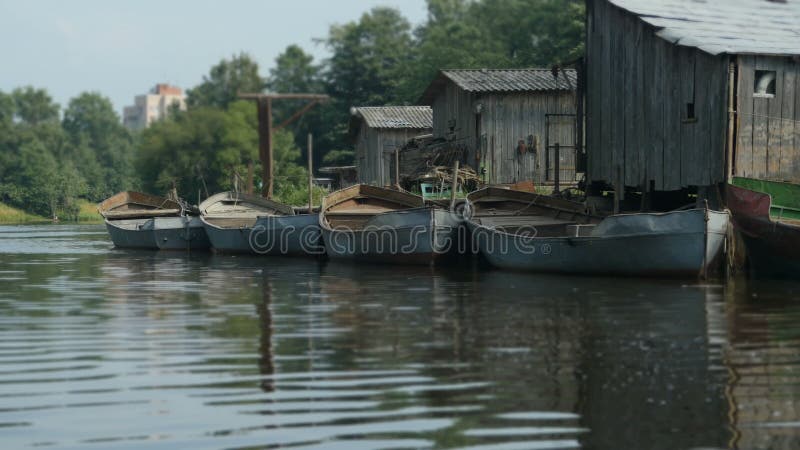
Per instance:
x=690, y=112
x=764, y=85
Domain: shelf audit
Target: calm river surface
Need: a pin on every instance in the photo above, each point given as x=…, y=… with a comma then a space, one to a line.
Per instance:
x=103, y=348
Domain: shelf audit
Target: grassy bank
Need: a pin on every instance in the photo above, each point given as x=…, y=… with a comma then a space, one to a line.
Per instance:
x=88, y=212
x=12, y=216
x=9, y=215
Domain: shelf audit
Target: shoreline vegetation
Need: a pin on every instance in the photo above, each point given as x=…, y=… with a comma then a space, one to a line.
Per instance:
x=87, y=214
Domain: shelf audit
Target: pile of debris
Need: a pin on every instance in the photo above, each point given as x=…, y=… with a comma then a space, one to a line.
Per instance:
x=467, y=177
x=430, y=160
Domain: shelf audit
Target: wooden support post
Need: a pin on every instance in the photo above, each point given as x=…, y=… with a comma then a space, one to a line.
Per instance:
x=265, y=145
x=250, y=170
x=265, y=128
x=617, y=190
x=645, y=187
x=731, y=146
x=453, y=186
x=310, y=174
x=397, y=169
x=557, y=168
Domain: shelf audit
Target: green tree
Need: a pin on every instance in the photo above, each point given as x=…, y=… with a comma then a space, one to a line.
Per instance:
x=203, y=148
x=225, y=81
x=295, y=71
x=40, y=184
x=199, y=150
x=535, y=32
x=99, y=145
x=369, y=57
x=454, y=36
x=34, y=106
x=369, y=60
x=7, y=109
x=339, y=158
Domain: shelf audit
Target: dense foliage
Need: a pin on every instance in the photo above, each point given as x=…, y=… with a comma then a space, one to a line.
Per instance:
x=47, y=162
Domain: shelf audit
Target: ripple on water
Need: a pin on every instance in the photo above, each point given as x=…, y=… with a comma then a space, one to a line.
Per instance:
x=138, y=349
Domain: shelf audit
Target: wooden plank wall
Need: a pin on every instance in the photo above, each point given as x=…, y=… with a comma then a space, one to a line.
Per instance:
x=768, y=140
x=638, y=88
x=505, y=119
x=374, y=153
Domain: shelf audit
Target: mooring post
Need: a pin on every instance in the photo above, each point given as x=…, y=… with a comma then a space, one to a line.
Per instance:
x=453, y=187
x=310, y=174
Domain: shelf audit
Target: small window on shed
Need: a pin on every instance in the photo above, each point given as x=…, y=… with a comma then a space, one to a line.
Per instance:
x=690, y=114
x=764, y=83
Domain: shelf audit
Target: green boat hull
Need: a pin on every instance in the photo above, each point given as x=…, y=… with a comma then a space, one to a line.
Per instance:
x=785, y=196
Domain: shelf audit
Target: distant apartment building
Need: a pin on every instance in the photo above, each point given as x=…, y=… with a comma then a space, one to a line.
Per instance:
x=153, y=106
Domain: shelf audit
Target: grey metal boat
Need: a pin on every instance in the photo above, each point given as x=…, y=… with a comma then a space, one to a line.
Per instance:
x=287, y=235
x=382, y=225
x=129, y=218
x=526, y=231
x=236, y=222
x=132, y=233
x=180, y=233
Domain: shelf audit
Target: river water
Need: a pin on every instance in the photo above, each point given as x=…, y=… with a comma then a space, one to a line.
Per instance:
x=103, y=348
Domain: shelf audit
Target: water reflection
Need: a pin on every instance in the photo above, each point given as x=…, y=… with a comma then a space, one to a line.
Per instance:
x=103, y=348
x=760, y=360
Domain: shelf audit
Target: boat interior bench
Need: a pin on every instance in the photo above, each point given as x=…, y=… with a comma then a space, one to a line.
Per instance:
x=247, y=221
x=130, y=213
x=355, y=218
x=544, y=226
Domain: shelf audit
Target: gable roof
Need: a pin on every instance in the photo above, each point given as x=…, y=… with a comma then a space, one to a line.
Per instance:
x=723, y=26
x=502, y=80
x=412, y=117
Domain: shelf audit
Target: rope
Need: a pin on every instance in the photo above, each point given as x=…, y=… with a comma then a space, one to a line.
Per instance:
x=535, y=199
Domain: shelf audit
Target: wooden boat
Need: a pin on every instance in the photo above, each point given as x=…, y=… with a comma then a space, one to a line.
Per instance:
x=370, y=223
x=236, y=222
x=526, y=231
x=771, y=233
x=129, y=217
x=785, y=197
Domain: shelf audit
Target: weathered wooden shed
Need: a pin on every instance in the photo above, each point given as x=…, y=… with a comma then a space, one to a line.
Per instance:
x=378, y=131
x=685, y=93
x=503, y=119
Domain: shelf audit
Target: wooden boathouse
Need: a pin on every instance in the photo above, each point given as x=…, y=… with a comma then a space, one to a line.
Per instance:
x=378, y=132
x=507, y=123
x=682, y=95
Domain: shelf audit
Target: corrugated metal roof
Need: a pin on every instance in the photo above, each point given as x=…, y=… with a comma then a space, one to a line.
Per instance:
x=723, y=26
x=415, y=117
x=510, y=80
x=501, y=80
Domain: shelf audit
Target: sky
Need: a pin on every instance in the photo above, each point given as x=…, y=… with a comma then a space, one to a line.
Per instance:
x=123, y=48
